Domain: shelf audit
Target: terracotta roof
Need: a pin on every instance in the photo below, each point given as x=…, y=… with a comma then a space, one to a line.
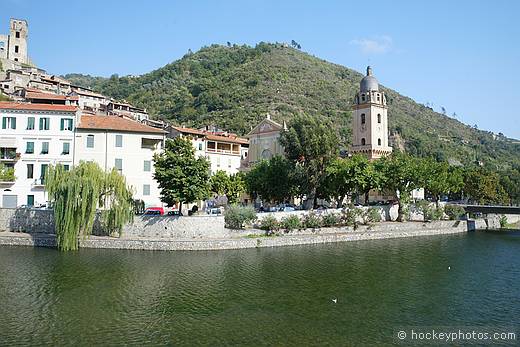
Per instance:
x=212, y=136
x=227, y=139
x=36, y=107
x=97, y=95
x=49, y=96
x=46, y=96
x=188, y=130
x=115, y=123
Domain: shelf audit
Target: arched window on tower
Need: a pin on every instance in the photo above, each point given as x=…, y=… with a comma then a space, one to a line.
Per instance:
x=363, y=97
x=378, y=118
x=363, y=142
x=363, y=118
x=379, y=142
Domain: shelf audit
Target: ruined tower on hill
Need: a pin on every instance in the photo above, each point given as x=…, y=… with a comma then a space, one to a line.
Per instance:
x=14, y=45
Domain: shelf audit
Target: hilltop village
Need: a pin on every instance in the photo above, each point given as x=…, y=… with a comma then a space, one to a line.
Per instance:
x=46, y=120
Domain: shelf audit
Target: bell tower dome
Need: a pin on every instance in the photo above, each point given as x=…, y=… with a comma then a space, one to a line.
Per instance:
x=370, y=120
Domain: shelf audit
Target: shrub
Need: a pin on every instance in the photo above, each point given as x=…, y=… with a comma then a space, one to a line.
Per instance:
x=349, y=216
x=503, y=221
x=269, y=223
x=371, y=215
x=454, y=211
x=235, y=217
x=331, y=219
x=429, y=211
x=291, y=222
x=311, y=221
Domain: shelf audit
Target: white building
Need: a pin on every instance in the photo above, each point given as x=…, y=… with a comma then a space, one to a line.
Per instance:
x=33, y=136
x=225, y=152
x=128, y=146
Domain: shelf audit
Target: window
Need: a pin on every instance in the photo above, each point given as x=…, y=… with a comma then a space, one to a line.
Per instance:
x=218, y=161
x=15, y=59
x=146, y=189
x=29, y=149
x=363, y=142
x=200, y=146
x=379, y=142
x=378, y=118
x=16, y=49
x=362, y=98
x=363, y=118
x=30, y=200
x=147, y=165
x=90, y=141
x=45, y=123
x=17, y=34
x=66, y=167
x=30, y=123
x=119, y=140
x=45, y=148
x=229, y=163
x=66, y=124
x=8, y=123
x=43, y=172
x=30, y=170
x=66, y=148
x=119, y=165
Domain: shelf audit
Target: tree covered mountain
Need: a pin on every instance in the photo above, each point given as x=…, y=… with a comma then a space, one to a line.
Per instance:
x=234, y=87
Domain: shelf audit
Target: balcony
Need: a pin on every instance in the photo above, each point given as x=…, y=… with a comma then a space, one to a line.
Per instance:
x=9, y=154
x=223, y=148
x=39, y=183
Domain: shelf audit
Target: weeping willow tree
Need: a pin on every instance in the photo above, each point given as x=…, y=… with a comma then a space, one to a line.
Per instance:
x=75, y=196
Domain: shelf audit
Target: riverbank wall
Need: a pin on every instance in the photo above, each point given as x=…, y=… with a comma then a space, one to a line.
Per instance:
x=36, y=228
x=249, y=238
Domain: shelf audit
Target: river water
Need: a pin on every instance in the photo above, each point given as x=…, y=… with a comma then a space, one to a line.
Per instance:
x=279, y=296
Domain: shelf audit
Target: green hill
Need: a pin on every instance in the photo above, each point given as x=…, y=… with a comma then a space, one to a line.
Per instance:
x=235, y=86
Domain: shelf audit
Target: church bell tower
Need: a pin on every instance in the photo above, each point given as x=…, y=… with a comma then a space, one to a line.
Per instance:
x=370, y=120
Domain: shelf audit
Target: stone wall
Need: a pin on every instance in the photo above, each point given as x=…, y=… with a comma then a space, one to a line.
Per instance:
x=329, y=235
x=34, y=221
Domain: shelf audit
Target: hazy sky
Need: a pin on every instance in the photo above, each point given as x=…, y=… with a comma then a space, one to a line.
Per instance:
x=462, y=55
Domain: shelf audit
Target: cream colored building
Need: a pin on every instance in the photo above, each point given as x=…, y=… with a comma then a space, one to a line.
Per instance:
x=370, y=120
x=124, y=144
x=264, y=141
x=225, y=152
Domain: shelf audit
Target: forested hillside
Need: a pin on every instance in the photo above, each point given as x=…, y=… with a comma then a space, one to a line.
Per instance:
x=235, y=86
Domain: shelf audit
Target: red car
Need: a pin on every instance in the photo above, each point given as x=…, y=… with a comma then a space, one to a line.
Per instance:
x=154, y=211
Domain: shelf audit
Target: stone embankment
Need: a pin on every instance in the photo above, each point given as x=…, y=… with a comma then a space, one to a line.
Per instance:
x=36, y=227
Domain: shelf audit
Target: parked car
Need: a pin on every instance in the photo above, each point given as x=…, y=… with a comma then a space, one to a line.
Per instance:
x=154, y=211
x=174, y=213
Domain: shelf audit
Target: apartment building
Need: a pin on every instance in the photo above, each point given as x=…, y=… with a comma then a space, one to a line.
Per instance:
x=32, y=137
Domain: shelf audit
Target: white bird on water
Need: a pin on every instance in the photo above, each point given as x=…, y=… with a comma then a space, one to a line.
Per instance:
x=335, y=301
x=449, y=267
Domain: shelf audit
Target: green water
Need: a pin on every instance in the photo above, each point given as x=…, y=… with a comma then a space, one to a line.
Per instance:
x=280, y=296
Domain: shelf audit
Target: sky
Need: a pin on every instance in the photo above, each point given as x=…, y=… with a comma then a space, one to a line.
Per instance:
x=460, y=55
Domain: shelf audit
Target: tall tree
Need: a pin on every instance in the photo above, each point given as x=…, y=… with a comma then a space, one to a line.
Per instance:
x=349, y=176
x=232, y=186
x=272, y=180
x=182, y=177
x=439, y=178
x=77, y=193
x=483, y=187
x=401, y=174
x=311, y=143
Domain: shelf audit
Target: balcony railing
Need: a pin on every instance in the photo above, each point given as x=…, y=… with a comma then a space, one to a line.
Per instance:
x=39, y=182
x=223, y=151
